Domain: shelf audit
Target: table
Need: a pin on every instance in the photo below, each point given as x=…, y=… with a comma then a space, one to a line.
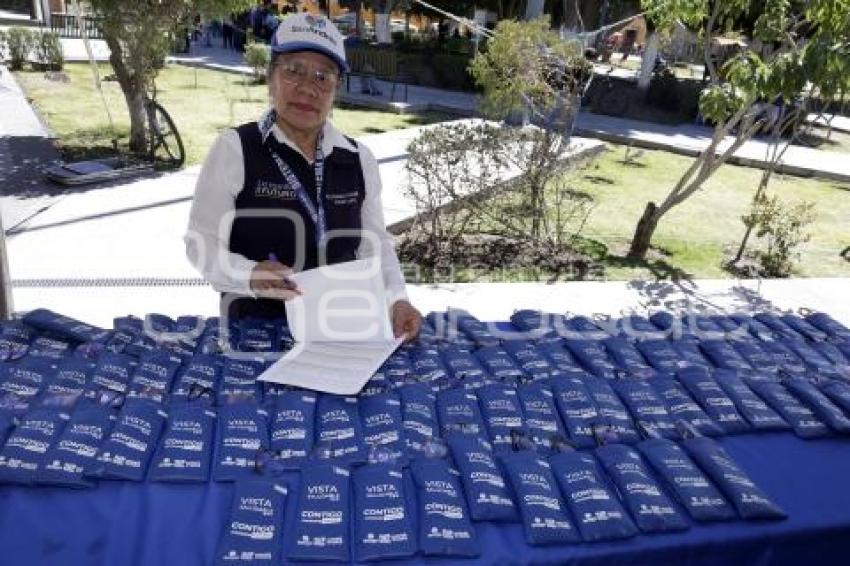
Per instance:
x=161, y=524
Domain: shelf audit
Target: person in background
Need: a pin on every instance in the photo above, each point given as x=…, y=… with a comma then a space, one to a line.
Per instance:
x=273, y=194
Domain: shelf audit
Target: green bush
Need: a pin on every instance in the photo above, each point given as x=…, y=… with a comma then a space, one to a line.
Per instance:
x=257, y=56
x=20, y=42
x=783, y=229
x=48, y=52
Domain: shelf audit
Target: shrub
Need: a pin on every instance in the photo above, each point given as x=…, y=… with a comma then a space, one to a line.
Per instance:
x=20, y=42
x=48, y=52
x=783, y=229
x=257, y=56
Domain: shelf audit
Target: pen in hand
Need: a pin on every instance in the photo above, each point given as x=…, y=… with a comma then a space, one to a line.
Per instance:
x=289, y=284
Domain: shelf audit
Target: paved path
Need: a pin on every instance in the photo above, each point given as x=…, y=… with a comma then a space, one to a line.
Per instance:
x=25, y=149
x=840, y=123
x=686, y=139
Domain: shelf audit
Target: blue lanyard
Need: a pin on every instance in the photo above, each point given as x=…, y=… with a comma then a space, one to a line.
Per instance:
x=316, y=211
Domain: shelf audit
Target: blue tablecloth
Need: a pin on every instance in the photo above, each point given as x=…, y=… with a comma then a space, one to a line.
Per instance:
x=157, y=524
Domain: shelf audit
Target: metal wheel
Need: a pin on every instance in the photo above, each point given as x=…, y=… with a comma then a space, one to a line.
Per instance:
x=166, y=145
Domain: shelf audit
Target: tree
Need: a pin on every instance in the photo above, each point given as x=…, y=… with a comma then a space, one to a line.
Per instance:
x=806, y=52
x=139, y=35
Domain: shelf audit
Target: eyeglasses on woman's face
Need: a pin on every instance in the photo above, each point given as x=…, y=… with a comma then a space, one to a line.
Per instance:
x=300, y=73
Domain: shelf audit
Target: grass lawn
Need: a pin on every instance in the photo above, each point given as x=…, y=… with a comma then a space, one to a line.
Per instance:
x=699, y=234
x=694, y=239
x=201, y=102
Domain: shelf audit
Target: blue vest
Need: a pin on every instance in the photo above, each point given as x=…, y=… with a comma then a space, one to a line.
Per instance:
x=265, y=188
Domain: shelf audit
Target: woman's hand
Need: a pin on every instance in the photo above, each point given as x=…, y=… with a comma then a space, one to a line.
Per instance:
x=270, y=280
x=406, y=320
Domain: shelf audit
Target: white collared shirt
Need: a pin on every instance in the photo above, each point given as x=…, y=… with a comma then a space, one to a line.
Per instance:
x=220, y=182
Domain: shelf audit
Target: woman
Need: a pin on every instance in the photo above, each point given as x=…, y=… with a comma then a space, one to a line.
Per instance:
x=257, y=215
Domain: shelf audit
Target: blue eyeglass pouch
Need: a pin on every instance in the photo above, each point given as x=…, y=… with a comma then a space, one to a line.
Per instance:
x=339, y=430
x=153, y=376
x=458, y=411
x=77, y=447
x=819, y=403
x=254, y=531
x=577, y=410
x=593, y=356
x=243, y=432
x=660, y=354
x=559, y=357
x=651, y=508
x=383, y=526
x=15, y=338
x=626, y=356
x=461, y=364
x=755, y=355
x=498, y=364
x=428, y=368
x=398, y=369
x=832, y=327
x=713, y=400
x=544, y=517
x=257, y=336
x=239, y=383
x=530, y=361
x=502, y=414
x=598, y=513
x=125, y=454
x=801, y=418
x=681, y=406
x=484, y=485
x=723, y=355
x=611, y=409
x=73, y=373
x=49, y=348
x=419, y=417
x=747, y=498
x=185, y=452
x=382, y=425
x=540, y=414
x=321, y=529
x=686, y=481
x=445, y=526
x=202, y=372
x=750, y=406
x=23, y=455
x=21, y=384
x=112, y=373
x=645, y=406
x=837, y=391
x=293, y=427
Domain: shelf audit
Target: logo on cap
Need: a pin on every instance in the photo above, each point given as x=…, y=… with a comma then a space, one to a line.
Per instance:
x=313, y=21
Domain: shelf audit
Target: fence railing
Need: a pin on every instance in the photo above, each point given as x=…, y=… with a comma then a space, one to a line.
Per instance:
x=67, y=25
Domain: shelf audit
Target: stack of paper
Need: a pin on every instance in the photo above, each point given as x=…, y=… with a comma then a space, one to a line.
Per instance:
x=341, y=327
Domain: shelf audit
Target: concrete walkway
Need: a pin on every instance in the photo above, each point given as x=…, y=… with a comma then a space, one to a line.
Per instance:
x=25, y=149
x=683, y=139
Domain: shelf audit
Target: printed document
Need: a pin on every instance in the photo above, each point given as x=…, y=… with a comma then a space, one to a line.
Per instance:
x=341, y=327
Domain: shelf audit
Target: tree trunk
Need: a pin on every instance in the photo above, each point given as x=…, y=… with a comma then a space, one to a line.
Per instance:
x=648, y=63
x=644, y=231
x=134, y=94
